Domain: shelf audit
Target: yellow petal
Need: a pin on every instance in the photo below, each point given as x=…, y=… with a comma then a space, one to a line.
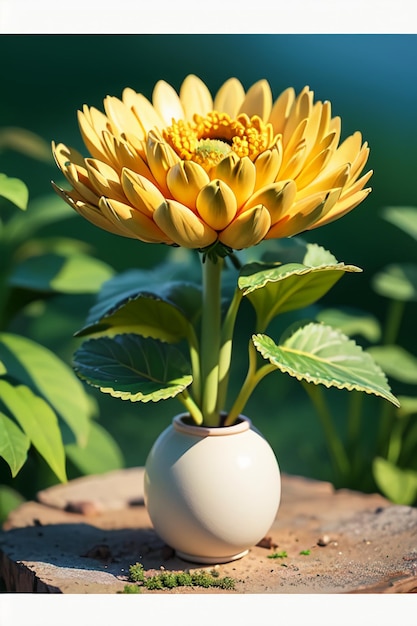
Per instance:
x=326, y=181
x=167, y=103
x=88, y=211
x=195, y=97
x=267, y=166
x=161, y=157
x=301, y=217
x=300, y=112
x=122, y=119
x=238, y=174
x=229, y=98
x=281, y=110
x=183, y=226
x=341, y=208
x=141, y=193
x=133, y=222
x=277, y=198
x=348, y=150
x=71, y=164
x=216, y=204
x=258, y=101
x=92, y=123
x=185, y=180
x=248, y=229
x=312, y=169
x=124, y=155
x=143, y=110
x=104, y=179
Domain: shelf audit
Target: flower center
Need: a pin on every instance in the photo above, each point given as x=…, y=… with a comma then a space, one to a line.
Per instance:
x=208, y=139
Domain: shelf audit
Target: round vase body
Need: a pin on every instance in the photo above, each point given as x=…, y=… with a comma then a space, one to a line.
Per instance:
x=211, y=493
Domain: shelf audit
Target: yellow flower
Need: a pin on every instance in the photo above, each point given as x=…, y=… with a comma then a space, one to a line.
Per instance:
x=190, y=170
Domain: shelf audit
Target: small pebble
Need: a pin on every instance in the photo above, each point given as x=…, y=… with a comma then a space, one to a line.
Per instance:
x=324, y=540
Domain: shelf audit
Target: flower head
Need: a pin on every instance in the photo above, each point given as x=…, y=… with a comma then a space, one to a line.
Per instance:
x=190, y=170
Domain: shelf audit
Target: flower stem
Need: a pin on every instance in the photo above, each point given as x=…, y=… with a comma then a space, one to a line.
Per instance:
x=226, y=348
x=252, y=379
x=195, y=365
x=191, y=407
x=210, y=339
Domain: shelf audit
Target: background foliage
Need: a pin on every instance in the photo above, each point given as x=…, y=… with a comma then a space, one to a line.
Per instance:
x=371, y=83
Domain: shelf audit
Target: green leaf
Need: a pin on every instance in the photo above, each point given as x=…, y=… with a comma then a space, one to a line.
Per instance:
x=397, y=484
x=10, y=499
x=161, y=311
x=100, y=454
x=404, y=217
x=351, y=323
x=323, y=355
x=40, y=369
x=41, y=212
x=14, y=190
x=396, y=362
x=77, y=273
x=3, y=370
x=133, y=368
x=159, y=282
x=39, y=422
x=274, y=289
x=14, y=444
x=396, y=281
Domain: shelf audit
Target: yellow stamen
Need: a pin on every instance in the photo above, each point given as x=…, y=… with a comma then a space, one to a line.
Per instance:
x=208, y=139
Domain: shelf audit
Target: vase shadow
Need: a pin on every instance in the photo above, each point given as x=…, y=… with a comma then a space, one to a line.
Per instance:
x=84, y=554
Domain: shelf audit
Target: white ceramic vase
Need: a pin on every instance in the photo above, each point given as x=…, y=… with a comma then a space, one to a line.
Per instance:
x=212, y=493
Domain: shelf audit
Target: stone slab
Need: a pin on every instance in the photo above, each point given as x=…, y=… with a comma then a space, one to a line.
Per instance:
x=83, y=536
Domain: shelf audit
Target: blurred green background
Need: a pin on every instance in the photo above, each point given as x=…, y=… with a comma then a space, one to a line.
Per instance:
x=371, y=81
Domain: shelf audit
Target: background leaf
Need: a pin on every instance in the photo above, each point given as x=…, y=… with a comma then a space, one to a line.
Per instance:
x=399, y=485
x=14, y=190
x=42, y=212
x=133, y=368
x=397, y=281
x=396, y=362
x=38, y=421
x=100, y=454
x=404, y=217
x=14, y=444
x=77, y=273
x=40, y=369
x=323, y=355
x=352, y=323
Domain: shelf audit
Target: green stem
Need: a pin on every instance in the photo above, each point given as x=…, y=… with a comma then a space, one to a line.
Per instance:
x=393, y=323
x=226, y=348
x=354, y=419
x=210, y=339
x=192, y=408
x=395, y=441
x=195, y=364
x=335, y=447
x=392, y=327
x=252, y=379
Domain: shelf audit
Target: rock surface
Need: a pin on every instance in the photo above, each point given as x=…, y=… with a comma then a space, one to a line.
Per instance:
x=83, y=536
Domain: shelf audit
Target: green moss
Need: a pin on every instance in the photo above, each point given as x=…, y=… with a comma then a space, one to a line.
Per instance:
x=136, y=573
x=131, y=589
x=170, y=580
x=278, y=555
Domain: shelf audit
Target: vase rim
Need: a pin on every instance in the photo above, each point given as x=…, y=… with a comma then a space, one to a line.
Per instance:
x=243, y=424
